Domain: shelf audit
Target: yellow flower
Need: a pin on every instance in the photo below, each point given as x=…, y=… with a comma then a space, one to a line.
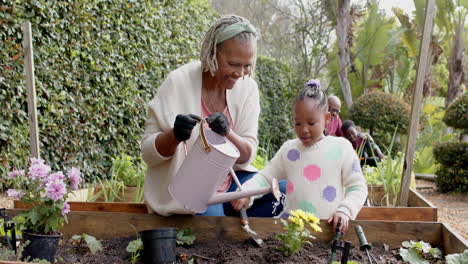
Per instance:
x=315, y=227
x=296, y=220
x=311, y=218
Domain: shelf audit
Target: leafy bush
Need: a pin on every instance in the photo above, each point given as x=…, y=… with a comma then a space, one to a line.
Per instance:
x=452, y=176
x=457, y=113
x=277, y=86
x=98, y=62
x=380, y=111
x=450, y=179
x=453, y=154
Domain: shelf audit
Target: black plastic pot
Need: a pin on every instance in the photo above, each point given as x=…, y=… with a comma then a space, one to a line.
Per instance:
x=40, y=246
x=159, y=245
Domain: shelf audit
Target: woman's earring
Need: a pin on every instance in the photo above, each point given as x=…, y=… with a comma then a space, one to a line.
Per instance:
x=243, y=77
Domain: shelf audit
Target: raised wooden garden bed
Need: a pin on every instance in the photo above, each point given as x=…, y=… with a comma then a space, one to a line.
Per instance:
x=419, y=208
x=209, y=228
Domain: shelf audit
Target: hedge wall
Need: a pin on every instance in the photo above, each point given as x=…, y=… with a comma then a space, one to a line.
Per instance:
x=97, y=64
x=278, y=86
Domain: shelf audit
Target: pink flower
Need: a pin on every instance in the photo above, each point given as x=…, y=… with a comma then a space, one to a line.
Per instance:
x=15, y=173
x=39, y=171
x=55, y=190
x=36, y=161
x=75, y=179
x=57, y=176
x=14, y=193
x=66, y=208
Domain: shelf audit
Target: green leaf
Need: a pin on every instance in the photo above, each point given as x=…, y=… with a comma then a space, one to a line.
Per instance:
x=461, y=258
x=93, y=244
x=412, y=256
x=77, y=237
x=135, y=246
x=185, y=236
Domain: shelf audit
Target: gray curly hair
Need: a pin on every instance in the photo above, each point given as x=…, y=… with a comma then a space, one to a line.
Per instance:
x=209, y=46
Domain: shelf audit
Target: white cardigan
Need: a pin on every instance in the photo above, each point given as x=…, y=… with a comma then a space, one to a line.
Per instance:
x=180, y=93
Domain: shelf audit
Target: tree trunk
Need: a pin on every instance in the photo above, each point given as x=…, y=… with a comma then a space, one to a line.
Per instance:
x=455, y=66
x=342, y=27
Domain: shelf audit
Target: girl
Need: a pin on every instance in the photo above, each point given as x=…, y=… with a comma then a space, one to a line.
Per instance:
x=323, y=172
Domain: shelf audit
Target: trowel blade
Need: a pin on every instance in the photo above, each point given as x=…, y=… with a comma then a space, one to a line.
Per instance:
x=253, y=235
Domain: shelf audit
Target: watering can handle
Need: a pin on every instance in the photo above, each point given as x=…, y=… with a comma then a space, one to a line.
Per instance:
x=206, y=146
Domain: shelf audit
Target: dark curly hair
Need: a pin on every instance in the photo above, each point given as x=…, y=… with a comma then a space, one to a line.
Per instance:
x=347, y=124
x=312, y=90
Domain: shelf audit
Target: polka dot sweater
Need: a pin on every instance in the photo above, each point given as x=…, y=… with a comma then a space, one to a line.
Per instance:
x=322, y=178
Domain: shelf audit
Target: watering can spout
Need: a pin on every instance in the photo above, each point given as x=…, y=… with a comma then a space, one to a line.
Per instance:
x=230, y=196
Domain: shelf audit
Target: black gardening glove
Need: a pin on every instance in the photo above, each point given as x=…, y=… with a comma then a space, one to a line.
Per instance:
x=183, y=126
x=219, y=123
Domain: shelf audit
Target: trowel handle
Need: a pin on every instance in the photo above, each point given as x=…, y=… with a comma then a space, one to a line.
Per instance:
x=244, y=218
x=363, y=245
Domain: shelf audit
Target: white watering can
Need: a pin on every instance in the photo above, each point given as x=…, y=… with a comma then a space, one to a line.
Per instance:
x=205, y=169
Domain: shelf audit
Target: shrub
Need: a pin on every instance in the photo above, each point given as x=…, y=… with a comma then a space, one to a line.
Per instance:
x=454, y=154
x=453, y=172
x=452, y=179
x=380, y=111
x=98, y=62
x=457, y=113
x=277, y=86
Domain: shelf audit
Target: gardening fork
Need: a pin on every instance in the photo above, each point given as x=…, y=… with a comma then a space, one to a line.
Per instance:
x=363, y=245
x=338, y=245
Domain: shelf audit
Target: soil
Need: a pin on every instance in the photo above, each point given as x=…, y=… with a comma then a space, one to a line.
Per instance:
x=223, y=252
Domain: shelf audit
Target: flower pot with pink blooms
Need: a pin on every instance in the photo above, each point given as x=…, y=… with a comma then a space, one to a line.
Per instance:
x=45, y=192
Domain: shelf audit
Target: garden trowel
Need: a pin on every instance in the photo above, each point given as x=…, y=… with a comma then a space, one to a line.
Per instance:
x=246, y=227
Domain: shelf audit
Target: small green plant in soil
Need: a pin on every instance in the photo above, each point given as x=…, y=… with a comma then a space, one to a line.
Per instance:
x=457, y=258
x=135, y=247
x=92, y=243
x=185, y=236
x=296, y=231
x=419, y=252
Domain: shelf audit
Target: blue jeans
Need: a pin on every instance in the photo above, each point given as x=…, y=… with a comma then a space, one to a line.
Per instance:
x=262, y=207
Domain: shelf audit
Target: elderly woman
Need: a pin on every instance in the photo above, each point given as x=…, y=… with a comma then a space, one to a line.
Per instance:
x=219, y=88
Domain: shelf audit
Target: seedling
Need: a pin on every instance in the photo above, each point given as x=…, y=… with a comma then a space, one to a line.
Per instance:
x=92, y=243
x=419, y=252
x=134, y=248
x=185, y=237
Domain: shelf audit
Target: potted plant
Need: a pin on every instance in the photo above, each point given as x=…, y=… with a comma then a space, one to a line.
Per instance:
x=46, y=193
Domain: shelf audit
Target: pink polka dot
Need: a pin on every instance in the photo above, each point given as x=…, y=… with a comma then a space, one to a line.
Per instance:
x=290, y=187
x=312, y=172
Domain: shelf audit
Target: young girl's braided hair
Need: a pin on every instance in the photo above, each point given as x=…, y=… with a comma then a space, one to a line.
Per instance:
x=313, y=91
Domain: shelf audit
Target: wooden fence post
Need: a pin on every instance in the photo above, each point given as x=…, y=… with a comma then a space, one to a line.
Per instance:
x=416, y=105
x=31, y=89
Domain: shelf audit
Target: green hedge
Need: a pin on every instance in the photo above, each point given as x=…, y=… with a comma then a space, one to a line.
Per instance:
x=454, y=154
x=452, y=179
x=453, y=172
x=457, y=113
x=97, y=64
x=277, y=86
x=381, y=111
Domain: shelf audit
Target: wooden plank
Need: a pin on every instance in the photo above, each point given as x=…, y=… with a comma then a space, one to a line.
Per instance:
x=208, y=228
x=450, y=240
x=420, y=214
x=416, y=105
x=31, y=89
x=135, y=208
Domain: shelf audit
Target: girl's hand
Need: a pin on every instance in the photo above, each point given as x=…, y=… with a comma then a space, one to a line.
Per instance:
x=241, y=203
x=335, y=219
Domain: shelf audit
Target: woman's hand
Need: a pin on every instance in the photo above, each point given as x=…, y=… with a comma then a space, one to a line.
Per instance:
x=219, y=123
x=183, y=126
x=335, y=219
x=240, y=203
